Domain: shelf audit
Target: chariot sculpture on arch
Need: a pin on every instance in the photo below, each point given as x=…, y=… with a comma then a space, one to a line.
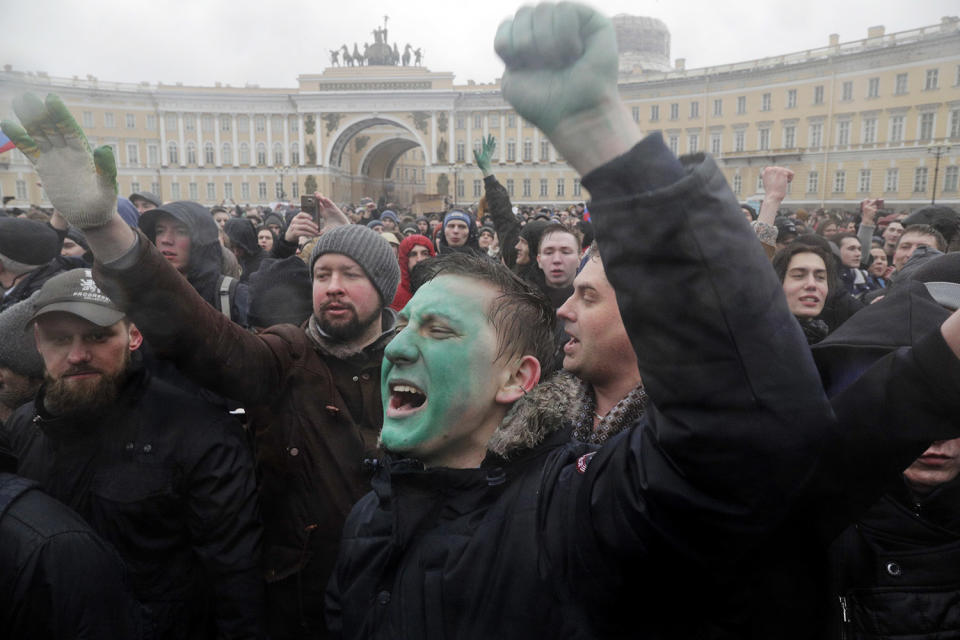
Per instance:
x=379, y=53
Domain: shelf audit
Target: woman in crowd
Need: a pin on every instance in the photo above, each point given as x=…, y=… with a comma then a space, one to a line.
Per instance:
x=806, y=272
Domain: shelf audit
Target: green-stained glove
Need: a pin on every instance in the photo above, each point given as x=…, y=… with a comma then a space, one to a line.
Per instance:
x=483, y=156
x=561, y=63
x=81, y=185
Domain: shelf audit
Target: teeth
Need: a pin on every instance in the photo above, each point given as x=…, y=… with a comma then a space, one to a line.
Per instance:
x=402, y=388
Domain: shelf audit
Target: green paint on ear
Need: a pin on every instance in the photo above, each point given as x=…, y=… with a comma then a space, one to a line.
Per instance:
x=106, y=167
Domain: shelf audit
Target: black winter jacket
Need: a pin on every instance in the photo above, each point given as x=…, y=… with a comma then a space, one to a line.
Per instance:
x=169, y=481
x=553, y=540
x=58, y=579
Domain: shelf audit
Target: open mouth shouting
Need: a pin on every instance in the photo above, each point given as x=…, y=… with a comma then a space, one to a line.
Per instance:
x=405, y=400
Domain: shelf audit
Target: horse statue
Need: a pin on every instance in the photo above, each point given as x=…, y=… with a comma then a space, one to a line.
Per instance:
x=356, y=55
x=395, y=58
x=406, y=55
x=347, y=58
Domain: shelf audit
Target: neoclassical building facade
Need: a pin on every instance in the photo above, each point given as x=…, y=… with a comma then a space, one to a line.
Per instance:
x=874, y=117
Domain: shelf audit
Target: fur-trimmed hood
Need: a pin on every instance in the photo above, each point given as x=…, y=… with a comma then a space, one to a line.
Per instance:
x=550, y=406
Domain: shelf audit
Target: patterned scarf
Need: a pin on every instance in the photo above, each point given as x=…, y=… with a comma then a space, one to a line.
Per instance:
x=624, y=413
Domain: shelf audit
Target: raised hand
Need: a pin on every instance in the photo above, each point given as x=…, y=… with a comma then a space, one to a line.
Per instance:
x=81, y=185
x=330, y=213
x=483, y=156
x=561, y=75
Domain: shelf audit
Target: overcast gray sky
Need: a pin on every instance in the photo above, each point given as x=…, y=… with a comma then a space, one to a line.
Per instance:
x=271, y=42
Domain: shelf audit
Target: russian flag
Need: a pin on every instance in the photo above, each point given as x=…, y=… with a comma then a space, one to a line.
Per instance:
x=5, y=143
x=586, y=214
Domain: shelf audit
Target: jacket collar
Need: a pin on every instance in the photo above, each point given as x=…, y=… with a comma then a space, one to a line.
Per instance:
x=332, y=348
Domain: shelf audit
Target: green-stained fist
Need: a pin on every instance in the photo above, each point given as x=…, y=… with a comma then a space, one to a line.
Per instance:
x=561, y=63
x=81, y=185
x=483, y=155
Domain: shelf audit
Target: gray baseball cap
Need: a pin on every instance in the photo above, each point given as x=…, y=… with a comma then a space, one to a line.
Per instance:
x=75, y=292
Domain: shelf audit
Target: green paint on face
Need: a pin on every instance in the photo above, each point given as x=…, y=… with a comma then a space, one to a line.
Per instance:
x=440, y=378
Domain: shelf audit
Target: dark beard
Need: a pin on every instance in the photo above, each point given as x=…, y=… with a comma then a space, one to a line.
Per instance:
x=347, y=331
x=89, y=396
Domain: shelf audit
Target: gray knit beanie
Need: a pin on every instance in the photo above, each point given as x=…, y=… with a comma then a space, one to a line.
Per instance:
x=18, y=350
x=368, y=249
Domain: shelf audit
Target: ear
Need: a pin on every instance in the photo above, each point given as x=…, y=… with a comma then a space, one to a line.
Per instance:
x=136, y=338
x=523, y=377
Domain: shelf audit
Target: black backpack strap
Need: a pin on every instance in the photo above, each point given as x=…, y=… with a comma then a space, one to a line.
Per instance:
x=11, y=487
x=226, y=287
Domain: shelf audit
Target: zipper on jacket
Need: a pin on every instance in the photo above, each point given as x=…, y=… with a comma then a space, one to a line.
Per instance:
x=845, y=618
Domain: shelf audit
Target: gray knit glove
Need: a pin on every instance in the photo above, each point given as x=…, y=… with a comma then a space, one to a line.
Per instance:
x=81, y=185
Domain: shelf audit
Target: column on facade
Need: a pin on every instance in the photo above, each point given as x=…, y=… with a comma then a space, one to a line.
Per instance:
x=468, y=152
x=452, y=147
x=301, y=140
x=318, y=128
x=162, y=117
x=433, y=138
x=253, y=143
x=236, y=139
x=183, y=147
x=536, y=145
x=269, y=118
x=218, y=159
x=200, y=156
x=503, y=136
x=286, y=140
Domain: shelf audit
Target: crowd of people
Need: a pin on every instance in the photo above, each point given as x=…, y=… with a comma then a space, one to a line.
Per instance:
x=670, y=416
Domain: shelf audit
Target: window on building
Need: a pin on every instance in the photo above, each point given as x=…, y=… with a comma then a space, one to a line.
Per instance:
x=674, y=111
x=741, y=105
x=950, y=175
x=134, y=186
x=494, y=119
x=243, y=125
x=153, y=155
x=813, y=182
x=277, y=154
x=191, y=154
x=694, y=109
x=245, y=190
x=260, y=125
x=763, y=139
x=261, y=154
x=228, y=190
x=22, y=190
x=926, y=127
x=262, y=190
x=544, y=188
x=791, y=98
x=109, y=120
x=955, y=123
x=133, y=154
x=717, y=107
x=151, y=122
x=843, y=133
x=510, y=187
x=873, y=88
x=956, y=78
x=896, y=128
x=206, y=122
x=460, y=191
x=244, y=153
x=528, y=150
x=715, y=143
x=194, y=192
x=511, y=151
x=87, y=119
x=900, y=84
x=739, y=140
x=674, y=144
x=839, y=181
x=295, y=189
x=765, y=102
x=226, y=154
x=526, y=123
x=864, y=183
x=190, y=123
x=459, y=122
x=576, y=187
x=131, y=121
x=477, y=187
x=816, y=135
x=172, y=153
x=693, y=143
x=759, y=187
x=525, y=192
x=561, y=186
x=208, y=154
x=892, y=181
x=920, y=179
x=544, y=150
x=211, y=191
x=869, y=130
x=225, y=126
x=478, y=121
x=461, y=151
x=818, y=94
x=175, y=191
x=847, y=90
x=170, y=122
x=932, y=79
x=789, y=137
x=737, y=184
x=511, y=120
x=278, y=190
x=654, y=112
x=295, y=153
x=636, y=113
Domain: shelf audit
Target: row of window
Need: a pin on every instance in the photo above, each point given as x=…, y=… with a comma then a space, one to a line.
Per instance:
x=526, y=185
x=891, y=183
x=900, y=87
x=190, y=121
